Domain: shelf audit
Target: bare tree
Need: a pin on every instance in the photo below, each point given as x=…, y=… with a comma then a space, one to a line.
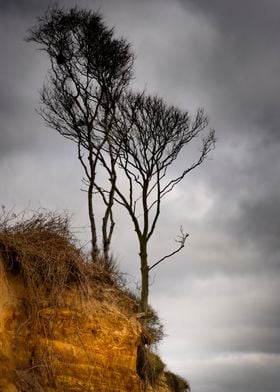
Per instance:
x=89, y=71
x=133, y=137
x=151, y=135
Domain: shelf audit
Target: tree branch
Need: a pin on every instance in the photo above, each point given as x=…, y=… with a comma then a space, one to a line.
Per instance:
x=181, y=240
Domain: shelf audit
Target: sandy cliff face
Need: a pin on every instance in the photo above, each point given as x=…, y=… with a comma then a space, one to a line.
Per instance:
x=66, y=323
x=81, y=345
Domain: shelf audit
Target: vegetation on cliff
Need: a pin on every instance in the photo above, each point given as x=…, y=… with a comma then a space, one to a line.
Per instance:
x=67, y=324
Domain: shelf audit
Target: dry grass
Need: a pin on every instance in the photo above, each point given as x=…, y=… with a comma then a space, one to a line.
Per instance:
x=43, y=251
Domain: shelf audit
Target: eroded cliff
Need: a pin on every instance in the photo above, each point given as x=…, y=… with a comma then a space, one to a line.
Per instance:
x=78, y=345
x=65, y=325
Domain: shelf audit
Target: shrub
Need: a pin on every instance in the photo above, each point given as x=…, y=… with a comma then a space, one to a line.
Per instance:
x=149, y=365
x=44, y=251
x=176, y=383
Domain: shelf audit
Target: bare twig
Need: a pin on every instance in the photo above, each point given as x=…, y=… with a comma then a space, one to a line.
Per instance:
x=181, y=239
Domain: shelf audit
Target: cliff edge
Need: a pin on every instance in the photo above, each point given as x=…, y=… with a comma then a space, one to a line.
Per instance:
x=65, y=323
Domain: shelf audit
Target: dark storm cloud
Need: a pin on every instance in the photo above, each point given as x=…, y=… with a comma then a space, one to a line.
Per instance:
x=251, y=18
x=22, y=74
x=244, y=69
x=261, y=222
x=16, y=86
x=24, y=7
x=245, y=63
x=246, y=197
x=219, y=298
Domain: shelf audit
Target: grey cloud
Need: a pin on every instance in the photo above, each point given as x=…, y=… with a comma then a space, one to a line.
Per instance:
x=242, y=62
x=219, y=297
x=231, y=332
x=256, y=19
x=23, y=7
x=260, y=221
x=238, y=374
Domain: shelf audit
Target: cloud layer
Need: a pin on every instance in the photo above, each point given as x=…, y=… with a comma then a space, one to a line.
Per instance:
x=219, y=299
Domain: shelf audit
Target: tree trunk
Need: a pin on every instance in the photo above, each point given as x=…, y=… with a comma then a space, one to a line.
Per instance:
x=144, y=276
x=108, y=221
x=107, y=235
x=94, y=247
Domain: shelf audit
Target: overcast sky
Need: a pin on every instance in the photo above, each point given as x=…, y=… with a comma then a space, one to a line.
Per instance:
x=219, y=298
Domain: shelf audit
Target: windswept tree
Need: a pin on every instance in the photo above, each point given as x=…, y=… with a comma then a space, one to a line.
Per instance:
x=90, y=69
x=152, y=135
x=133, y=138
